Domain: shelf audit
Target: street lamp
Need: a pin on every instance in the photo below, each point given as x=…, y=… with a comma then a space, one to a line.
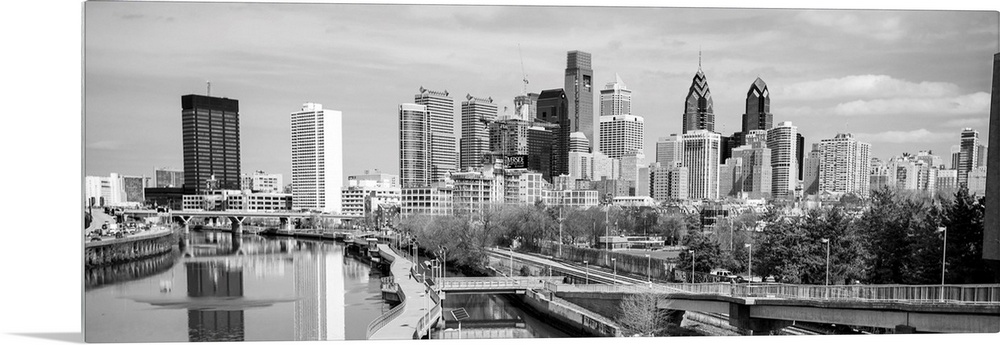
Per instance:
x=827, y=241
x=511, y=261
x=587, y=266
x=560, y=232
x=691, y=252
x=614, y=263
x=649, y=262
x=944, y=252
x=750, y=262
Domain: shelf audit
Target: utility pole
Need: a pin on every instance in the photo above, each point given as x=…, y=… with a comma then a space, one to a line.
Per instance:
x=560, y=232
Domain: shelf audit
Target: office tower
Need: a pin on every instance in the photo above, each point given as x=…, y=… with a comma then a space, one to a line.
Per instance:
x=644, y=179
x=441, y=117
x=782, y=142
x=211, y=140
x=168, y=177
x=629, y=167
x=810, y=171
x=616, y=98
x=668, y=183
x=477, y=113
x=698, y=112
x=553, y=107
x=991, y=223
x=800, y=146
x=414, y=143
x=981, y=152
x=621, y=135
x=606, y=167
x=956, y=154
x=540, y=142
x=261, y=182
x=758, y=111
x=578, y=142
x=317, y=158
x=726, y=146
x=509, y=136
x=580, y=93
x=947, y=181
x=581, y=166
x=731, y=177
x=968, y=154
x=756, y=171
x=669, y=149
x=526, y=106
x=701, y=157
x=477, y=191
x=844, y=165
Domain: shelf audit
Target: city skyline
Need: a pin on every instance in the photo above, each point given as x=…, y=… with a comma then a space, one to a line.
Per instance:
x=925, y=103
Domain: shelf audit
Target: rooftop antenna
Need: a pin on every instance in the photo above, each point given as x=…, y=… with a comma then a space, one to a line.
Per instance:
x=209, y=82
x=524, y=76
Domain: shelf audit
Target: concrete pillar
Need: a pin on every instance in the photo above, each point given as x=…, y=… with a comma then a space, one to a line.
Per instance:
x=739, y=316
x=237, y=224
x=186, y=220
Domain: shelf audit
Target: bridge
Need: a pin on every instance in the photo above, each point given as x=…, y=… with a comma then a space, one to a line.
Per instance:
x=493, y=285
x=236, y=217
x=420, y=306
x=769, y=307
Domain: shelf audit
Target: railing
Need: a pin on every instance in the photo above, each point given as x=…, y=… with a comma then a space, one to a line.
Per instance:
x=433, y=314
x=964, y=294
x=516, y=283
x=384, y=319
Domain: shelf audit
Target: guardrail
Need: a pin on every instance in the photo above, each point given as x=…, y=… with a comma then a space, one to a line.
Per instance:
x=384, y=319
x=963, y=294
x=433, y=314
x=515, y=283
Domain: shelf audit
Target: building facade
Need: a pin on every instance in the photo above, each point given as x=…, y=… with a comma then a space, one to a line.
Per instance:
x=968, y=155
x=168, y=177
x=616, y=98
x=621, y=135
x=668, y=183
x=317, y=158
x=698, y=113
x=844, y=165
x=414, y=146
x=579, y=86
x=553, y=108
x=477, y=114
x=368, y=191
x=261, y=182
x=441, y=131
x=782, y=142
x=434, y=200
x=758, y=108
x=210, y=129
x=701, y=158
x=755, y=172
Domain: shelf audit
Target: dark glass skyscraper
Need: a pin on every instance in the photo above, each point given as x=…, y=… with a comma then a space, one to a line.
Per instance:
x=991, y=223
x=698, y=112
x=758, y=114
x=553, y=107
x=211, y=140
x=579, y=88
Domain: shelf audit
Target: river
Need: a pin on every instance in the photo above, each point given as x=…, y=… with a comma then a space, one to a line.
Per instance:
x=219, y=287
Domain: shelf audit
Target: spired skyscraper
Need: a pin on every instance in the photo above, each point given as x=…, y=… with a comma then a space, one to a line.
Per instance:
x=580, y=93
x=317, y=158
x=441, y=117
x=758, y=113
x=620, y=131
x=211, y=141
x=698, y=112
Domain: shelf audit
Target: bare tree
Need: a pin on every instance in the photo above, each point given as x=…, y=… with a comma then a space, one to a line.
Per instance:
x=640, y=316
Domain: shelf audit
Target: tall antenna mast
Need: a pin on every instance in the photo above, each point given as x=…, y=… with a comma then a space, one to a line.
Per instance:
x=209, y=82
x=524, y=76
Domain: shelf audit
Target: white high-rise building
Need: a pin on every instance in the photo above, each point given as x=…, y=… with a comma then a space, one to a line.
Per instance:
x=441, y=132
x=414, y=146
x=578, y=142
x=616, y=98
x=701, y=158
x=621, y=135
x=844, y=165
x=317, y=158
x=784, y=173
x=668, y=183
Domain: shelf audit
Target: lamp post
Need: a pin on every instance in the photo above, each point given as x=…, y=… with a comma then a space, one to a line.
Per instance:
x=827, y=241
x=649, y=261
x=944, y=252
x=511, y=261
x=560, y=232
x=614, y=263
x=691, y=252
x=750, y=262
x=587, y=266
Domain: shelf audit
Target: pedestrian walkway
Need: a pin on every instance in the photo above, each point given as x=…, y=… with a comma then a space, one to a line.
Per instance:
x=418, y=301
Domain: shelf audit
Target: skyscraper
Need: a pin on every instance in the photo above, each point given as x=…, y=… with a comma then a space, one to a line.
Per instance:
x=441, y=116
x=414, y=144
x=540, y=141
x=782, y=142
x=756, y=171
x=991, y=221
x=168, y=178
x=758, y=111
x=968, y=154
x=578, y=142
x=701, y=158
x=810, y=171
x=211, y=141
x=698, y=112
x=553, y=107
x=844, y=165
x=669, y=149
x=616, y=98
x=317, y=158
x=621, y=135
x=477, y=113
x=580, y=93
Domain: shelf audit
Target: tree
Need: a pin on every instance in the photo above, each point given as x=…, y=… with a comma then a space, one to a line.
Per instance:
x=963, y=218
x=639, y=315
x=707, y=254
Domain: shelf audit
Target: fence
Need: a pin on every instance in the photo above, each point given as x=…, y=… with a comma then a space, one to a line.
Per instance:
x=432, y=315
x=625, y=262
x=964, y=294
x=384, y=319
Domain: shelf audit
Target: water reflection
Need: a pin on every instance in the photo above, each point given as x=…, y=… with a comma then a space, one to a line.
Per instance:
x=211, y=280
x=494, y=316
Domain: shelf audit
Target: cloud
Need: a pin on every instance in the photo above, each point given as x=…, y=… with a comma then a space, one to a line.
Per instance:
x=971, y=122
x=879, y=25
x=976, y=103
x=901, y=137
x=864, y=87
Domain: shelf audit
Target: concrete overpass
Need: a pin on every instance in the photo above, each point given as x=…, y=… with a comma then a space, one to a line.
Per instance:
x=492, y=285
x=237, y=217
x=769, y=307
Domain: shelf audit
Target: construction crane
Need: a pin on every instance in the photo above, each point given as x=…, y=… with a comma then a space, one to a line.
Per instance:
x=524, y=76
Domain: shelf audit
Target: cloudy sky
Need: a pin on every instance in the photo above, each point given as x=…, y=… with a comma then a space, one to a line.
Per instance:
x=902, y=80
